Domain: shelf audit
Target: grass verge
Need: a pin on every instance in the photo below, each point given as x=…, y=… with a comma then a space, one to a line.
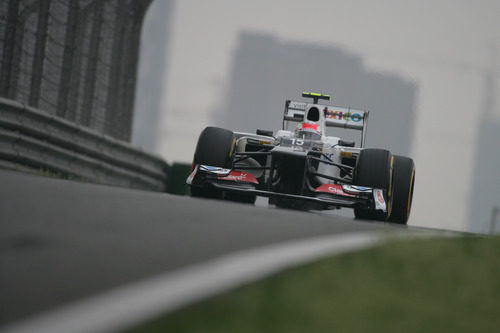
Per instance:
x=422, y=285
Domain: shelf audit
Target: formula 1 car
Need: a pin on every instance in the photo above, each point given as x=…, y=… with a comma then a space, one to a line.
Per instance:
x=300, y=167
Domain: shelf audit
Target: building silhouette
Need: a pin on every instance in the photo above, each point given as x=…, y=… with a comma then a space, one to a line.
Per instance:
x=151, y=85
x=485, y=187
x=266, y=71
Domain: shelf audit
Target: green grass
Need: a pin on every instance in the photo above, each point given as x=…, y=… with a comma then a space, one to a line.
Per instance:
x=423, y=285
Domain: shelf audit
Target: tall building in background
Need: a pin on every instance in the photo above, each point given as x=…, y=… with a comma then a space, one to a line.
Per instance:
x=266, y=71
x=485, y=193
x=151, y=84
x=75, y=59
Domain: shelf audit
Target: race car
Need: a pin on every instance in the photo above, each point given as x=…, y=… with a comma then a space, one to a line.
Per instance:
x=300, y=167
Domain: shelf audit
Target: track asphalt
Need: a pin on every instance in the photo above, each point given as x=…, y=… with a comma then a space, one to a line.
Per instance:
x=63, y=240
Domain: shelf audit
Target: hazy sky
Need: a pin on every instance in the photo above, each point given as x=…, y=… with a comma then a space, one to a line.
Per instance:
x=443, y=46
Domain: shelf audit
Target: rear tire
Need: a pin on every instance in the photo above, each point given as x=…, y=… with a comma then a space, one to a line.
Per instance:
x=374, y=169
x=404, y=179
x=215, y=148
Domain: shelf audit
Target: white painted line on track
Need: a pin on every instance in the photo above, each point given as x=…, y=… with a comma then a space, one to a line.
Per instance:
x=138, y=302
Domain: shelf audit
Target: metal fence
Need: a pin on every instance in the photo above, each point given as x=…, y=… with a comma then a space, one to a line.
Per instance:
x=67, y=85
x=76, y=59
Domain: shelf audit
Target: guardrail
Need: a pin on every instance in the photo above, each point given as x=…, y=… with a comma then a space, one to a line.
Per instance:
x=177, y=175
x=30, y=138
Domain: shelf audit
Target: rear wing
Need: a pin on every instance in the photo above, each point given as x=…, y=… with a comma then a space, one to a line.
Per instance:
x=335, y=116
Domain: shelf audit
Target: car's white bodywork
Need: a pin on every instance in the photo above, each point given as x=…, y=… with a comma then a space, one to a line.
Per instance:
x=301, y=167
x=292, y=136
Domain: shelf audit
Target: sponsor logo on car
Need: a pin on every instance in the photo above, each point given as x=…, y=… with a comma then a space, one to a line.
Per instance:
x=378, y=197
x=310, y=126
x=239, y=176
x=297, y=105
x=339, y=115
x=333, y=189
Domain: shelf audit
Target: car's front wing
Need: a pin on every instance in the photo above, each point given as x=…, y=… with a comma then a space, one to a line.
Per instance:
x=327, y=195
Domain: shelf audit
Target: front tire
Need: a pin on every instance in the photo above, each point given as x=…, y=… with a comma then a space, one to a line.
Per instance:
x=374, y=169
x=215, y=148
x=404, y=180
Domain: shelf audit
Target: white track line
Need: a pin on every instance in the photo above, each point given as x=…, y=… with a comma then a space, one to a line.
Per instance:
x=135, y=303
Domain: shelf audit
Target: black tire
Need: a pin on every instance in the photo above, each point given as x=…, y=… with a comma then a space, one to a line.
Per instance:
x=374, y=169
x=215, y=148
x=403, y=183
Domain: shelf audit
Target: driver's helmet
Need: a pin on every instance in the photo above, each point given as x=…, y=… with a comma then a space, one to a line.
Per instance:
x=310, y=128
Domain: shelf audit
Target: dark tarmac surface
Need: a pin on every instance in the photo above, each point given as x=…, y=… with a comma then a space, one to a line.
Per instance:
x=62, y=240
